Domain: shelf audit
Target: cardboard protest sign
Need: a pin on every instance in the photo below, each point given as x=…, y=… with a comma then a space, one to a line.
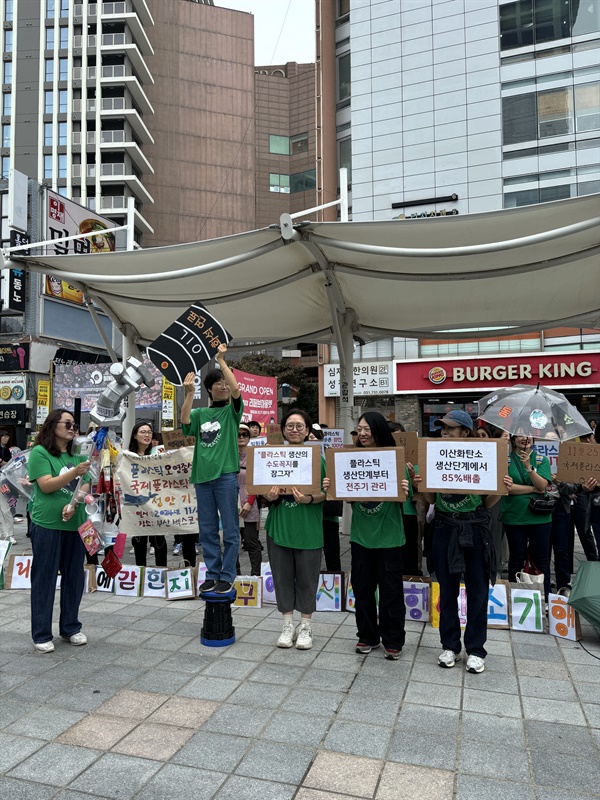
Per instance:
x=330, y=592
x=180, y=584
x=268, y=585
x=417, y=598
x=18, y=572
x=173, y=440
x=543, y=447
x=366, y=474
x=578, y=462
x=274, y=434
x=104, y=583
x=283, y=466
x=257, y=441
x=563, y=621
x=248, y=591
x=526, y=610
x=498, y=605
x=156, y=493
x=333, y=437
x=128, y=581
x=409, y=440
x=187, y=344
x=154, y=582
x=259, y=394
x=463, y=466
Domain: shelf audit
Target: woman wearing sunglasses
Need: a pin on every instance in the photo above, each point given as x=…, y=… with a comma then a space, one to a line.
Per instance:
x=294, y=543
x=56, y=544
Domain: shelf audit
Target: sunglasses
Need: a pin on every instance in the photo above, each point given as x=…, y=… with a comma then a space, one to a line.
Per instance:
x=70, y=425
x=243, y=435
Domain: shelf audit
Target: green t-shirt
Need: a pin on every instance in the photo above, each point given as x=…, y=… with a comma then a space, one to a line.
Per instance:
x=46, y=509
x=458, y=503
x=216, y=451
x=377, y=525
x=515, y=507
x=296, y=525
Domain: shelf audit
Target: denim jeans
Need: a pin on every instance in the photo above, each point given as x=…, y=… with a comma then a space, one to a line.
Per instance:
x=55, y=550
x=559, y=542
x=219, y=497
x=536, y=540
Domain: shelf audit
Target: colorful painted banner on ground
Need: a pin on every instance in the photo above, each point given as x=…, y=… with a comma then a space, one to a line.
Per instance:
x=156, y=493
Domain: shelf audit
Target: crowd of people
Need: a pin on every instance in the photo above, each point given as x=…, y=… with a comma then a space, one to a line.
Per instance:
x=465, y=535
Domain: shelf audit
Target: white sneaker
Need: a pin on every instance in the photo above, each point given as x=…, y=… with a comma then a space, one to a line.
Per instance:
x=177, y=550
x=44, y=647
x=151, y=551
x=77, y=639
x=475, y=664
x=305, y=639
x=448, y=658
x=288, y=635
x=132, y=551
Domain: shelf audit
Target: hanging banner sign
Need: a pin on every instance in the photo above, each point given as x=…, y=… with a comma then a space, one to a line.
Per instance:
x=259, y=394
x=369, y=378
x=43, y=403
x=168, y=406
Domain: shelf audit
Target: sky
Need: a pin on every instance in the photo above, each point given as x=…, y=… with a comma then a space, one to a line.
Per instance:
x=284, y=30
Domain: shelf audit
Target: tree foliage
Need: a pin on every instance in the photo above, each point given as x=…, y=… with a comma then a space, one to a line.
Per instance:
x=263, y=364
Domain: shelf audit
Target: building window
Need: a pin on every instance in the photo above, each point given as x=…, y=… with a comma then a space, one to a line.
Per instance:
x=298, y=144
x=48, y=101
x=8, y=41
x=303, y=181
x=6, y=104
x=279, y=183
x=7, y=73
x=8, y=10
x=48, y=138
x=555, y=112
x=343, y=83
x=62, y=133
x=49, y=71
x=49, y=38
x=64, y=8
x=279, y=145
x=64, y=38
x=587, y=107
x=529, y=22
x=6, y=136
x=50, y=7
x=5, y=166
x=343, y=8
x=345, y=156
x=63, y=69
x=519, y=118
x=48, y=167
x=62, y=101
x=62, y=166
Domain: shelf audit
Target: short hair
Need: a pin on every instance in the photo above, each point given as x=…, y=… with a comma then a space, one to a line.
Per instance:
x=299, y=412
x=212, y=377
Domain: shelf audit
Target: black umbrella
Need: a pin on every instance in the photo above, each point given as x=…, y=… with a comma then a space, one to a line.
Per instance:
x=536, y=411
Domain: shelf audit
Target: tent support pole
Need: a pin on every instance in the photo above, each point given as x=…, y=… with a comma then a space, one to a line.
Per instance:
x=346, y=346
x=129, y=349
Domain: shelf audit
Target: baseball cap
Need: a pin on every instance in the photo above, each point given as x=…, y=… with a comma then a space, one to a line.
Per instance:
x=455, y=418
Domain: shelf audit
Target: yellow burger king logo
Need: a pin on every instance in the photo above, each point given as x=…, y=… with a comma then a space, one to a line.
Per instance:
x=437, y=375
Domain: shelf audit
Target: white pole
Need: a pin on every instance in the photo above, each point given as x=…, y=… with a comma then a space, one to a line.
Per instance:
x=343, y=194
x=129, y=346
x=131, y=223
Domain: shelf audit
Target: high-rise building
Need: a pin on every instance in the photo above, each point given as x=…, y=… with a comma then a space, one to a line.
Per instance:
x=459, y=106
x=137, y=99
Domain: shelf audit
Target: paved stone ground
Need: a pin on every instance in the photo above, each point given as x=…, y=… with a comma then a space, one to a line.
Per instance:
x=146, y=712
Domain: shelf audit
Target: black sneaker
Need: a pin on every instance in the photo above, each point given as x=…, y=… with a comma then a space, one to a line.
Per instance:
x=207, y=586
x=223, y=587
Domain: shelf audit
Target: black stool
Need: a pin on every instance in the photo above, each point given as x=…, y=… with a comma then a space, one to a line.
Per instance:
x=217, y=628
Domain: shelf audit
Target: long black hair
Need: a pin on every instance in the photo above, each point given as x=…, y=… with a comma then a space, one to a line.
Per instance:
x=133, y=442
x=47, y=434
x=380, y=430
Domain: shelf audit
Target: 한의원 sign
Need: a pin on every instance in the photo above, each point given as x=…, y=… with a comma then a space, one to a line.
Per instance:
x=366, y=473
x=463, y=466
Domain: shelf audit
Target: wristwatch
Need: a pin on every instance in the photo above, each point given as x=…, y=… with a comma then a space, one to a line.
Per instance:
x=312, y=499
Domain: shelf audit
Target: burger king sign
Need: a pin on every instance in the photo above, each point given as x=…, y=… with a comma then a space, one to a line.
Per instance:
x=437, y=375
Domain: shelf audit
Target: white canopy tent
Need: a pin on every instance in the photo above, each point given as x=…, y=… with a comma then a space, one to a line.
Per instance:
x=514, y=271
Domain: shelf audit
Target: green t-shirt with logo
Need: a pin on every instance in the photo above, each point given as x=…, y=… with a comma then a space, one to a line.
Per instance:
x=296, y=525
x=216, y=451
x=409, y=506
x=458, y=503
x=377, y=525
x=515, y=507
x=46, y=509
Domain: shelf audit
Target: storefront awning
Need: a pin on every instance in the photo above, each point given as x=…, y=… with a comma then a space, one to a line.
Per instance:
x=485, y=274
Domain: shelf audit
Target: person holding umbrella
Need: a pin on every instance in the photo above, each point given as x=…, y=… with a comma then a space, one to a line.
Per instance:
x=527, y=530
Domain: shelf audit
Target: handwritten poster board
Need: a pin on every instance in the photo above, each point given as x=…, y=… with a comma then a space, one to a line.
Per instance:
x=274, y=434
x=284, y=466
x=156, y=493
x=173, y=440
x=463, y=466
x=366, y=473
x=563, y=621
x=333, y=437
x=258, y=441
x=577, y=462
x=409, y=440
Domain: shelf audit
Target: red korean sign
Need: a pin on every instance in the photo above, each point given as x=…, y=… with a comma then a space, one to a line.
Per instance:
x=259, y=394
x=561, y=370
